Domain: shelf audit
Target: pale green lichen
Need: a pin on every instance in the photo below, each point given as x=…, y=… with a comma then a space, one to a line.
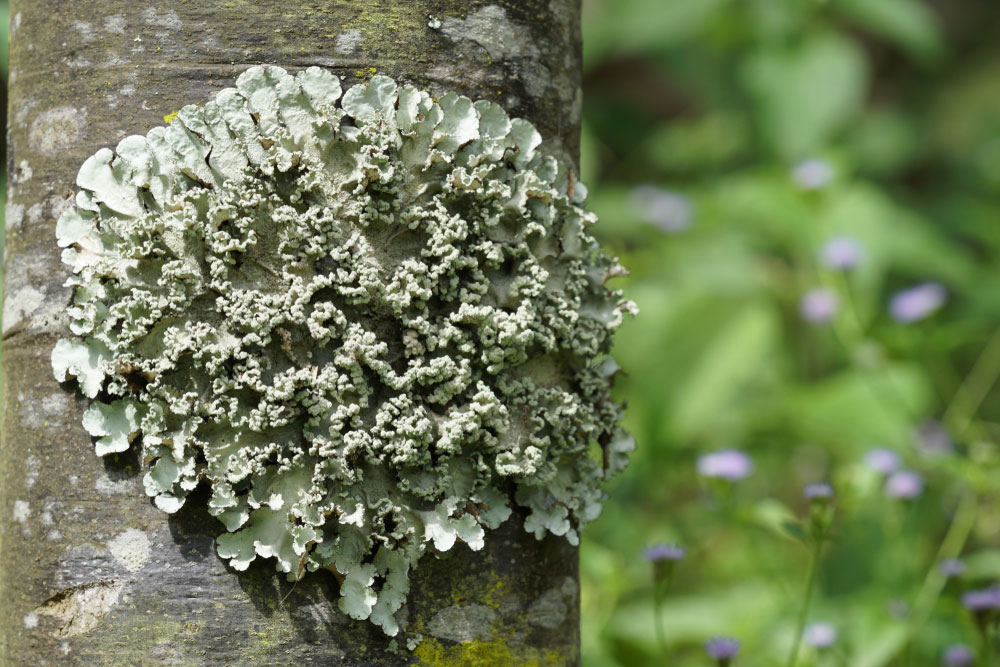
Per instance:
x=371, y=323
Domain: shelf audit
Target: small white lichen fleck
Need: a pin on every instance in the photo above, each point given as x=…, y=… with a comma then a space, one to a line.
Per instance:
x=463, y=623
x=31, y=620
x=347, y=42
x=110, y=487
x=46, y=518
x=22, y=510
x=33, y=465
x=20, y=305
x=536, y=77
x=85, y=29
x=23, y=109
x=56, y=130
x=115, y=24
x=35, y=213
x=491, y=29
x=14, y=216
x=168, y=19
x=78, y=63
x=24, y=172
x=371, y=321
x=550, y=609
x=57, y=205
x=131, y=549
x=54, y=404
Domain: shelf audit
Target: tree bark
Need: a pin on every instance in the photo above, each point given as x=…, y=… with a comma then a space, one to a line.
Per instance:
x=91, y=572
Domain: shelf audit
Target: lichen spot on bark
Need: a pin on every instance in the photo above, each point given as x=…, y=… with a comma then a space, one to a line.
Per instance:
x=56, y=130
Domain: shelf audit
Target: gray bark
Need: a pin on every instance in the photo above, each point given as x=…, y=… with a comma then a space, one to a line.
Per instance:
x=91, y=572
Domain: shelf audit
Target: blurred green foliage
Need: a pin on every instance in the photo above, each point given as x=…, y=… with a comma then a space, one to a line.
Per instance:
x=702, y=121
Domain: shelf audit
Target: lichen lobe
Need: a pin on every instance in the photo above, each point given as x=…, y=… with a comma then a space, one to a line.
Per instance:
x=371, y=322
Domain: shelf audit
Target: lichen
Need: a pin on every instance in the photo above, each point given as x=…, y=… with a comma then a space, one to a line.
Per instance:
x=371, y=323
x=55, y=130
x=463, y=623
x=22, y=510
x=131, y=549
x=347, y=42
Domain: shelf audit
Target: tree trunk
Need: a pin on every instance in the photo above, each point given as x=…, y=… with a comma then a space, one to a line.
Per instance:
x=92, y=572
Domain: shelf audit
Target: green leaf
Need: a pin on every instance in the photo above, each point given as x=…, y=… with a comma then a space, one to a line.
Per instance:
x=982, y=565
x=805, y=94
x=651, y=25
x=911, y=24
x=858, y=406
x=776, y=517
x=883, y=648
x=725, y=364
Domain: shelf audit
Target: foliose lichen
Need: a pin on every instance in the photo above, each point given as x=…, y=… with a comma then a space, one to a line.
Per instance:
x=371, y=322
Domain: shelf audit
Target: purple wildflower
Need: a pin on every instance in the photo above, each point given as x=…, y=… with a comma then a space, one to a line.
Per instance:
x=841, y=252
x=730, y=464
x=951, y=567
x=904, y=484
x=918, y=302
x=722, y=649
x=819, y=305
x=660, y=552
x=812, y=174
x=667, y=211
x=820, y=635
x=821, y=491
x=958, y=655
x=882, y=460
x=982, y=601
x=933, y=439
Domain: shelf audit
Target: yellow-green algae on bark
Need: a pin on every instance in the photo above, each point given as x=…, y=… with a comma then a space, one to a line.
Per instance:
x=478, y=653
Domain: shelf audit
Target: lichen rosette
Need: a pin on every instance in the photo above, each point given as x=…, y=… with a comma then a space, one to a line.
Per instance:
x=372, y=323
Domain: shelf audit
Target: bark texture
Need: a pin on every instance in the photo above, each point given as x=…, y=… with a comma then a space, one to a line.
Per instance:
x=91, y=572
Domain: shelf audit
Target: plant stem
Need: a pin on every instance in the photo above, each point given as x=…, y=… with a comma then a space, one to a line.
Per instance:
x=659, y=594
x=951, y=547
x=850, y=336
x=800, y=625
x=986, y=647
x=977, y=384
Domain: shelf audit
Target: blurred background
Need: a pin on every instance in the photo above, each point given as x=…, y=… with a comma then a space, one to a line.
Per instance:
x=807, y=195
